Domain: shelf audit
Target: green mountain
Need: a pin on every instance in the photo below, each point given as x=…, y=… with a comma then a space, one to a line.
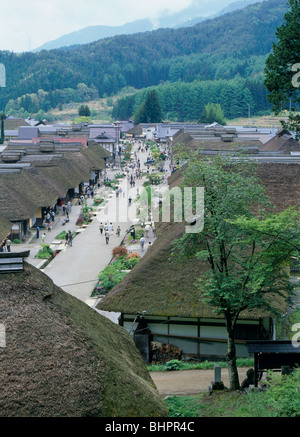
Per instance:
x=94, y=33
x=187, y=17
x=234, y=44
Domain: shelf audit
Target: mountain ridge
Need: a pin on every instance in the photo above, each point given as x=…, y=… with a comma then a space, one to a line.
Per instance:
x=91, y=34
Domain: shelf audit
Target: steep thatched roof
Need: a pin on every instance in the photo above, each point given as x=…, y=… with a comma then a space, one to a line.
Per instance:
x=283, y=141
x=282, y=183
x=63, y=359
x=165, y=288
x=218, y=142
x=5, y=227
x=19, y=195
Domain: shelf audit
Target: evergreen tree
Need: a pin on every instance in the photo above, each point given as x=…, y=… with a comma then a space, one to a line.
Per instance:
x=150, y=111
x=84, y=111
x=282, y=67
x=212, y=113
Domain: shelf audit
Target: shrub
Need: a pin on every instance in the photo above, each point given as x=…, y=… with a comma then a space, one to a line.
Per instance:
x=133, y=255
x=173, y=365
x=131, y=262
x=119, y=251
x=16, y=241
x=98, y=201
x=110, y=277
x=45, y=252
x=79, y=221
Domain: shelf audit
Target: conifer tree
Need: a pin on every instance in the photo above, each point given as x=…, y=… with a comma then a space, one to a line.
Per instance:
x=282, y=68
x=150, y=111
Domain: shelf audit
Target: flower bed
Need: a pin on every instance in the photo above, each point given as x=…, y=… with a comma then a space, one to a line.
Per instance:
x=120, y=266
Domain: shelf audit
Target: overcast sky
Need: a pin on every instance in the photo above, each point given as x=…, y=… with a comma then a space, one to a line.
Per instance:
x=27, y=24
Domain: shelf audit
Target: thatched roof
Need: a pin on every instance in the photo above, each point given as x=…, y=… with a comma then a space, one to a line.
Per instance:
x=282, y=183
x=14, y=123
x=165, y=288
x=5, y=227
x=283, y=141
x=63, y=359
x=47, y=178
x=193, y=141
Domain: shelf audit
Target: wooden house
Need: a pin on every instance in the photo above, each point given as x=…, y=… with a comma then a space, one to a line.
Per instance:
x=162, y=296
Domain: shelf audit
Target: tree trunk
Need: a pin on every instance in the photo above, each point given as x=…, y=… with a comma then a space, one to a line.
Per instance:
x=231, y=358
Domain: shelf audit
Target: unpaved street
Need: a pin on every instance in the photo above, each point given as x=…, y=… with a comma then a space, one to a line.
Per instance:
x=189, y=382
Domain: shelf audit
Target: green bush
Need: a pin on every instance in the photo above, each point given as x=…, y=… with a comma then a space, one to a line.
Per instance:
x=110, y=277
x=281, y=399
x=45, y=252
x=16, y=241
x=174, y=365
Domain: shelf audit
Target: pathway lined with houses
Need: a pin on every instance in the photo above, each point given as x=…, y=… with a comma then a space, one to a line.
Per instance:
x=75, y=269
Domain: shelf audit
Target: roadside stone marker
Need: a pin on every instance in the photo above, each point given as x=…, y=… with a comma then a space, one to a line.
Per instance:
x=217, y=383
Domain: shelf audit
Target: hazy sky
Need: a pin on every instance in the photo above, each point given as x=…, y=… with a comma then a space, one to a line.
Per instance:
x=27, y=24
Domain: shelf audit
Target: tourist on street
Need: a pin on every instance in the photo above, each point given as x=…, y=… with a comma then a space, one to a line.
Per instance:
x=132, y=232
x=70, y=238
x=106, y=237
x=37, y=232
x=142, y=242
x=118, y=231
x=43, y=237
x=111, y=228
x=101, y=227
x=8, y=243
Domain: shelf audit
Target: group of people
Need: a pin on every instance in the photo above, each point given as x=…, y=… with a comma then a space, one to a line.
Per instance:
x=107, y=230
x=69, y=238
x=5, y=246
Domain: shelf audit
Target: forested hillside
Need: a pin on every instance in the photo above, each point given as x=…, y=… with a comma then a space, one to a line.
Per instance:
x=222, y=48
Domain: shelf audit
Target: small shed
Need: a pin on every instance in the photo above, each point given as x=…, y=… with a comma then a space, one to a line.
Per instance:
x=273, y=355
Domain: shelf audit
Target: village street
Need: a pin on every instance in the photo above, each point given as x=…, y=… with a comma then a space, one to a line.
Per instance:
x=75, y=269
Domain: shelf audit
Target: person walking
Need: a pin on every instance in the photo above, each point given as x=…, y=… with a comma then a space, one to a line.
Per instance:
x=111, y=228
x=70, y=240
x=118, y=231
x=106, y=237
x=43, y=237
x=67, y=238
x=101, y=227
x=37, y=232
x=142, y=242
x=132, y=232
x=8, y=243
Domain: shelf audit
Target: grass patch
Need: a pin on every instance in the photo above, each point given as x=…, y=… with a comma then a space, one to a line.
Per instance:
x=62, y=235
x=45, y=252
x=280, y=399
x=204, y=365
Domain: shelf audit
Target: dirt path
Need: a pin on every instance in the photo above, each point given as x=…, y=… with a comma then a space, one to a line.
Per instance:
x=189, y=382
